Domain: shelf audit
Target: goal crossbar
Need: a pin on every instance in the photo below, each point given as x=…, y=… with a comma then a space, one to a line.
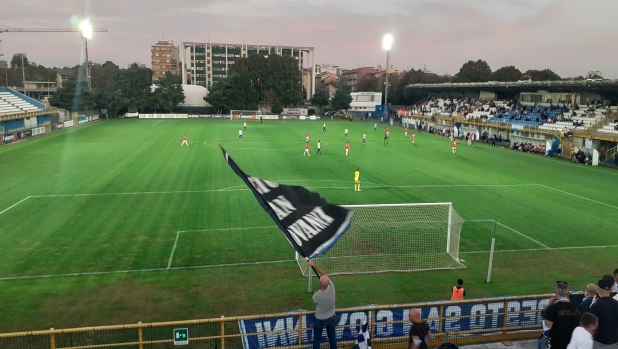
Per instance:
x=395, y=238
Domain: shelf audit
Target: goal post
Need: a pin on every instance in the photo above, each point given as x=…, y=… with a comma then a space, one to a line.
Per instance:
x=237, y=114
x=395, y=238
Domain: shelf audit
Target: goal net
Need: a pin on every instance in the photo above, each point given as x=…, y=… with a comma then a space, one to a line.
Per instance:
x=245, y=115
x=394, y=238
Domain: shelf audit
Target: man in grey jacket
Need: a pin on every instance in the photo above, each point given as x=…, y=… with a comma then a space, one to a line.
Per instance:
x=324, y=297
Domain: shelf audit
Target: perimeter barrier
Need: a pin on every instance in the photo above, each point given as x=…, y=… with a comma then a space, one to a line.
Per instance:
x=460, y=322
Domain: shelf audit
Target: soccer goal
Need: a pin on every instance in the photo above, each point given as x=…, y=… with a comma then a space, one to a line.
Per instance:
x=245, y=115
x=394, y=238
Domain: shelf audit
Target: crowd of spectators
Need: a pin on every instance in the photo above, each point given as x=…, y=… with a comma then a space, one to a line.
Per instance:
x=529, y=148
x=591, y=324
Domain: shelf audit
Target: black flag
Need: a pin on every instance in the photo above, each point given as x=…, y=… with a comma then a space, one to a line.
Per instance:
x=310, y=224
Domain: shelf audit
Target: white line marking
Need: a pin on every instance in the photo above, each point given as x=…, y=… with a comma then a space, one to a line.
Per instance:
x=236, y=186
x=223, y=229
x=15, y=204
x=136, y=193
x=544, y=249
x=430, y=186
x=169, y=263
x=480, y=220
x=142, y=270
x=245, y=189
x=577, y=196
x=157, y=122
x=524, y=235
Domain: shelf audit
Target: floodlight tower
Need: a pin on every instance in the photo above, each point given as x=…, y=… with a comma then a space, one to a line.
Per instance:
x=387, y=45
x=86, y=32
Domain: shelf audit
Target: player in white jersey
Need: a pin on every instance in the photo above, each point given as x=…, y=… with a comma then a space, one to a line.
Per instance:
x=239, y=134
x=245, y=126
x=364, y=139
x=346, y=133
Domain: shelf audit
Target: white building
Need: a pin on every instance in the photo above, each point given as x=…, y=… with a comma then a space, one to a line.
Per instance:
x=365, y=101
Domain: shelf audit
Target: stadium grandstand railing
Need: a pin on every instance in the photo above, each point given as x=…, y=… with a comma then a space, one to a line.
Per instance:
x=464, y=322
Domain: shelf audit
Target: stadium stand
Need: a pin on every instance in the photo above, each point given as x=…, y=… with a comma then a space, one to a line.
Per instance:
x=543, y=116
x=12, y=104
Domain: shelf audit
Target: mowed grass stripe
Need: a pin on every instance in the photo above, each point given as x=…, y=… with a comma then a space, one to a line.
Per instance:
x=192, y=188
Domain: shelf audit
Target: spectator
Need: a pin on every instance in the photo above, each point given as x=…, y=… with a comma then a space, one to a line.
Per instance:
x=606, y=309
x=458, y=293
x=591, y=291
x=561, y=316
x=324, y=297
x=420, y=333
x=582, y=335
x=615, y=287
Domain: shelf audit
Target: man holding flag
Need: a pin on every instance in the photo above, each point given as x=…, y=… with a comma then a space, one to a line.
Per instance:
x=324, y=297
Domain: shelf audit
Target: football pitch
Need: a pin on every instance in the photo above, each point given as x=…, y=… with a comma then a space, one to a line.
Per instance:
x=116, y=222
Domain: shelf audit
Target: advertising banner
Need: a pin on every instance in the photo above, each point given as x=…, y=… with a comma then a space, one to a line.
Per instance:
x=8, y=138
x=163, y=116
x=517, y=127
x=485, y=316
x=24, y=134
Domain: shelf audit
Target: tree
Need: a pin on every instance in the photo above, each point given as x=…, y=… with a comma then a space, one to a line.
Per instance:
x=169, y=91
x=74, y=95
x=243, y=93
x=63, y=97
x=135, y=84
x=269, y=98
x=320, y=99
x=16, y=60
x=235, y=92
x=367, y=83
x=277, y=108
x=509, y=73
x=218, y=94
x=472, y=71
x=342, y=98
x=542, y=75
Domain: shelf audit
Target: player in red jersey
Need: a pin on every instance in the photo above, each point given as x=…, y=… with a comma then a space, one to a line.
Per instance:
x=307, y=136
x=406, y=131
x=184, y=141
x=347, y=148
x=306, y=149
x=413, y=137
x=454, y=145
x=388, y=132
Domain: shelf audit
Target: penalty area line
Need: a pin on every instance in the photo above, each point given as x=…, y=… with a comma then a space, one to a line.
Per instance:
x=95, y=273
x=544, y=249
x=577, y=196
x=6, y=209
x=524, y=235
x=169, y=263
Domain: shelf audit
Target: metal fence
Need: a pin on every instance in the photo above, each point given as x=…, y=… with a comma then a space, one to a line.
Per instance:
x=462, y=322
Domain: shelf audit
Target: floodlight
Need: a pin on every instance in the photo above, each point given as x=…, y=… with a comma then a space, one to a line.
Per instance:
x=387, y=42
x=86, y=28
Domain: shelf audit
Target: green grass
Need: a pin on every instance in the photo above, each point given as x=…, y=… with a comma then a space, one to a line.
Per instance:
x=112, y=196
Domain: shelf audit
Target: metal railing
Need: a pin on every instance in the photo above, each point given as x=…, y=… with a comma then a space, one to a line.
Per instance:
x=29, y=114
x=488, y=320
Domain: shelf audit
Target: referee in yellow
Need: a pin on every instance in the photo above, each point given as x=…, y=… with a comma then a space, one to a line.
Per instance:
x=357, y=180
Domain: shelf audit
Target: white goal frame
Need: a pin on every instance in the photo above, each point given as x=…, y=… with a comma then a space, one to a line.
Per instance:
x=443, y=221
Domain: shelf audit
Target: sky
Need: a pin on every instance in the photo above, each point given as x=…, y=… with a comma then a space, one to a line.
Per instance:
x=570, y=37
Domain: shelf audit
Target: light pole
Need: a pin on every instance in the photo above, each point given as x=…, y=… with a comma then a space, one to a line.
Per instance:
x=387, y=45
x=86, y=31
